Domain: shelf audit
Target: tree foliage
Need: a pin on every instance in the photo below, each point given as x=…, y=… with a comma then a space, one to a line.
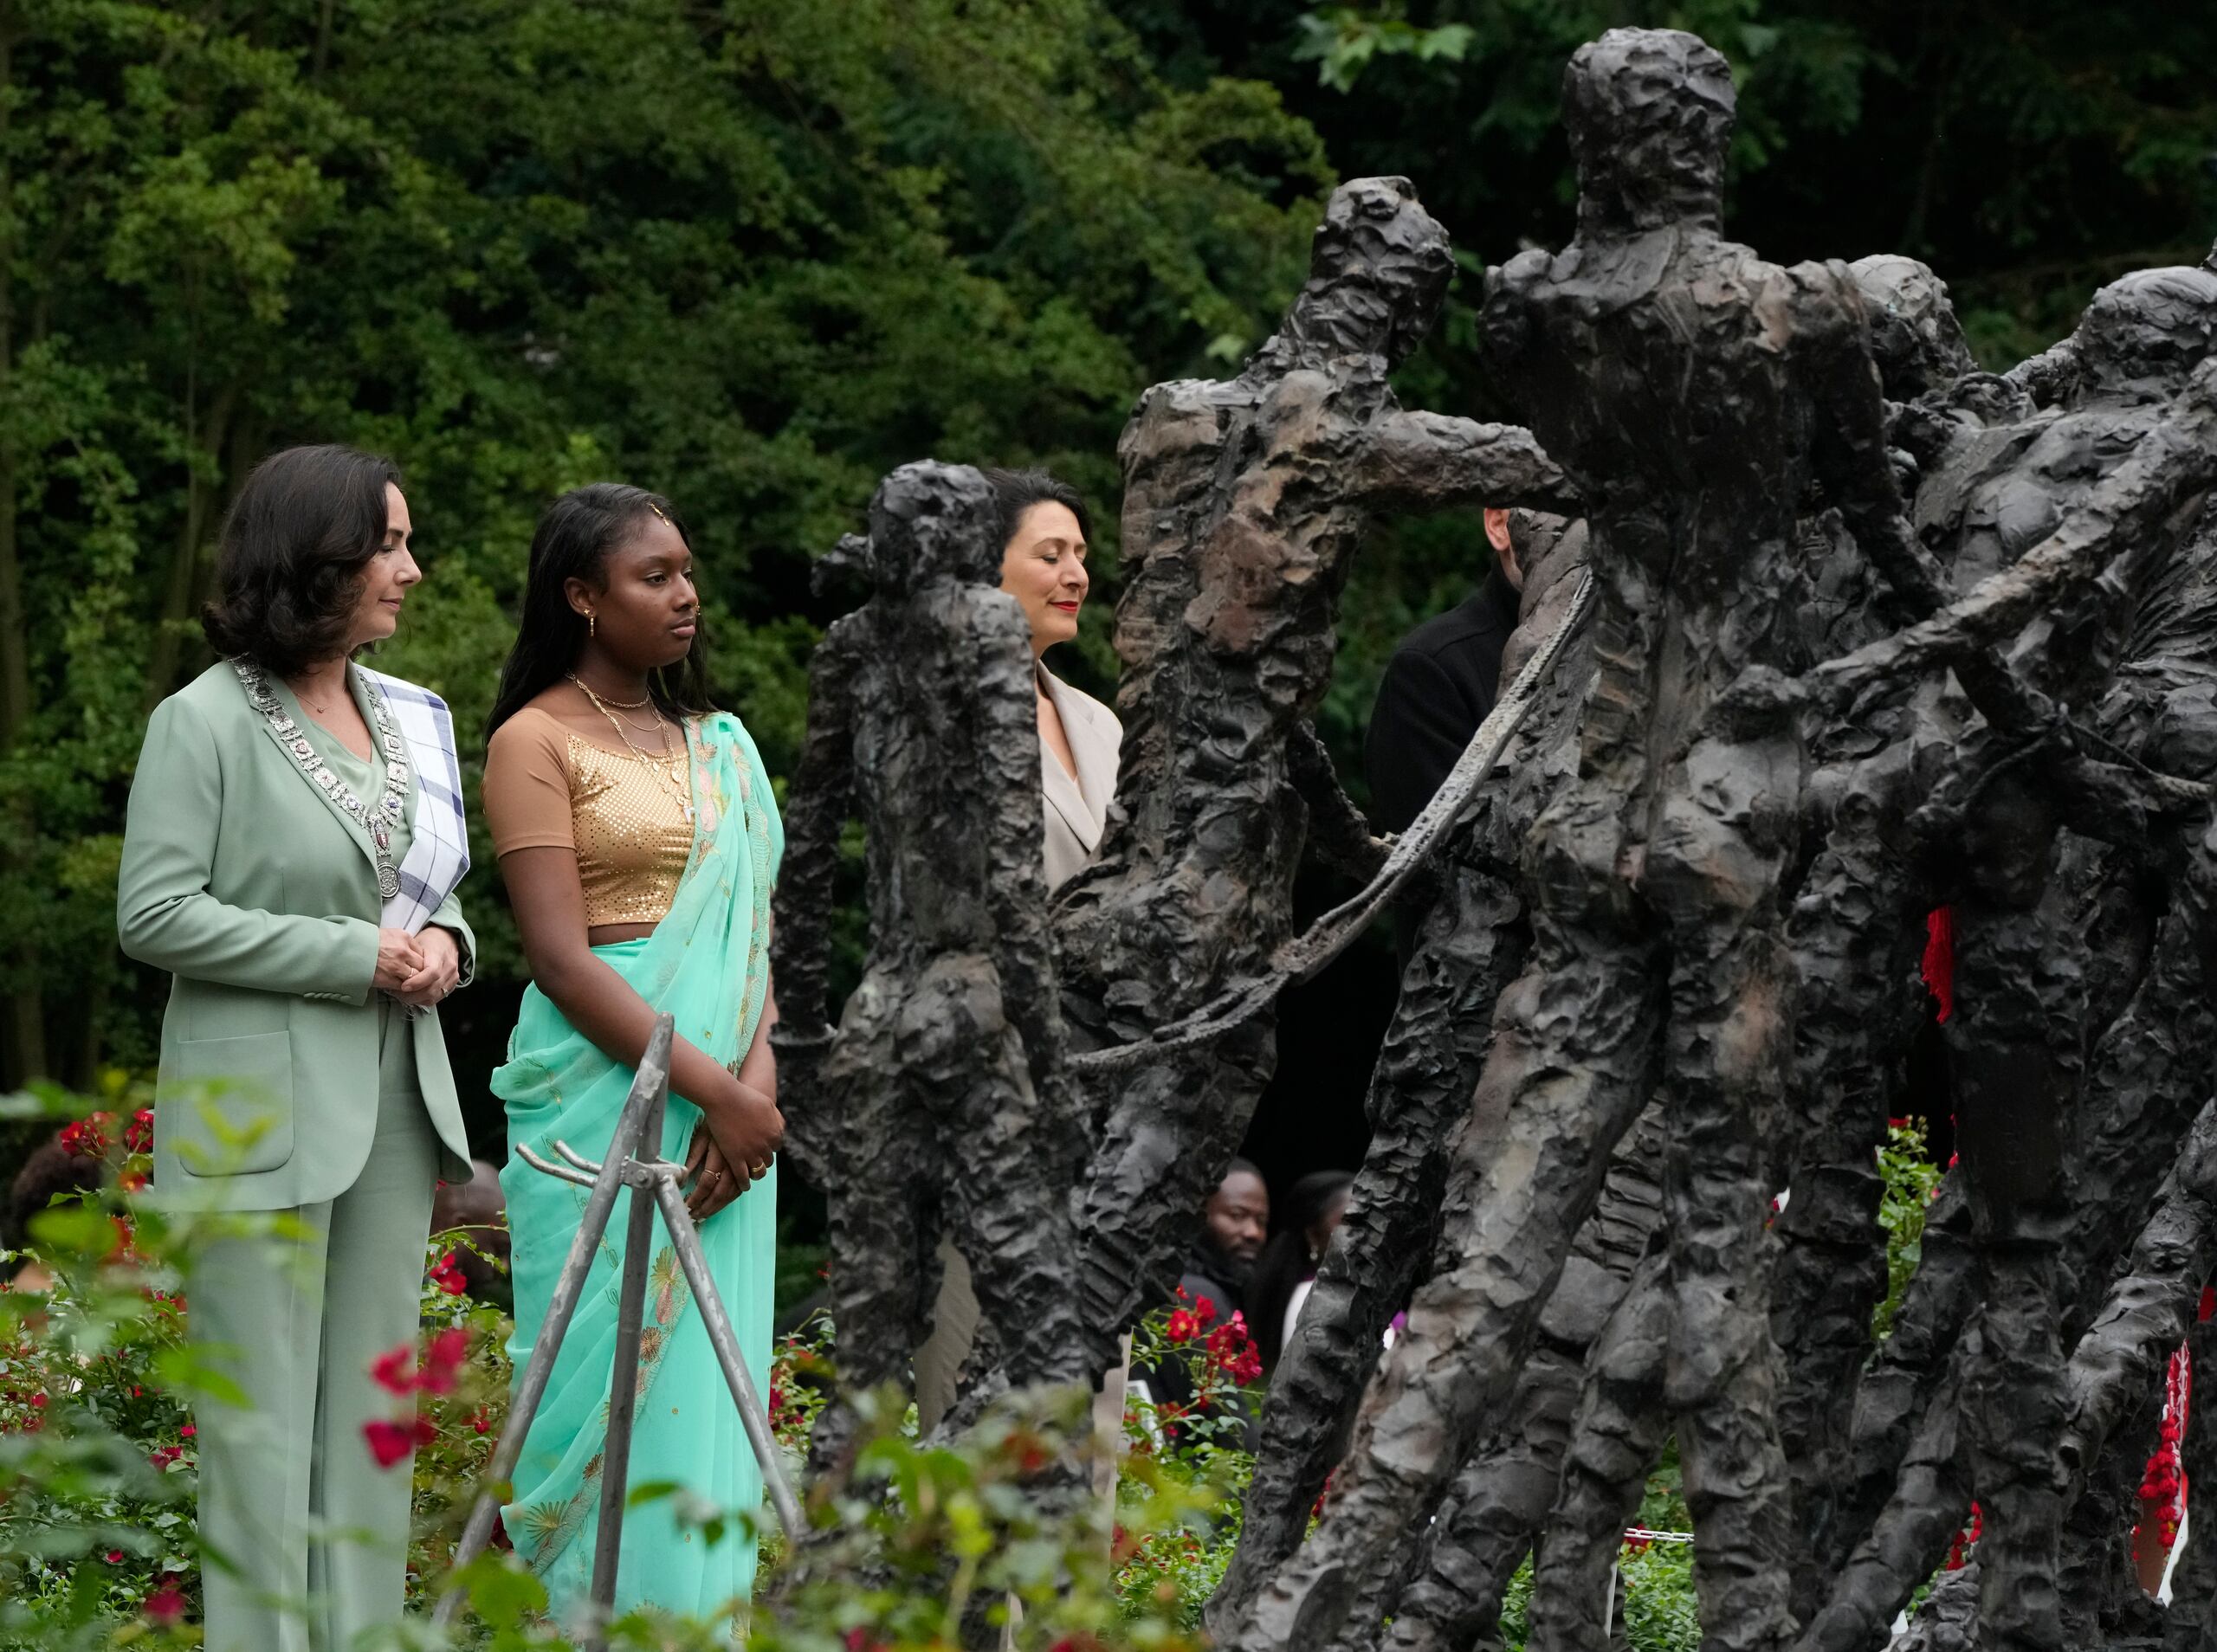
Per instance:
x=2028, y=152
x=756, y=255
x=752, y=254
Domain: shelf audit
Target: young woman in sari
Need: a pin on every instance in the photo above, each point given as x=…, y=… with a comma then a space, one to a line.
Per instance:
x=638, y=840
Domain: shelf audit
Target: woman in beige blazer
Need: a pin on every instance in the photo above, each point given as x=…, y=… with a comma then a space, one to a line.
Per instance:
x=1042, y=566
x=1044, y=526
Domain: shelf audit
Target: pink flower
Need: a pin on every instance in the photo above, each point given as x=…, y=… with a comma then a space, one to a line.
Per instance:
x=165, y=1604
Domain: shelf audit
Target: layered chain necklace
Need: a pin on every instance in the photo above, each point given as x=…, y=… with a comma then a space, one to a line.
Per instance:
x=667, y=767
x=377, y=819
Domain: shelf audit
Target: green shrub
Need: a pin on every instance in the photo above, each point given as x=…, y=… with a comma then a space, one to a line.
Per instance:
x=97, y=1542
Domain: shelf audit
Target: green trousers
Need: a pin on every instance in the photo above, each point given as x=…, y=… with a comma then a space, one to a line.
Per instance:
x=308, y=1536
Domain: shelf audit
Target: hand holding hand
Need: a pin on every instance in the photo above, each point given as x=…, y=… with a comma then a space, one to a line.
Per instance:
x=441, y=968
x=711, y=1182
x=399, y=957
x=748, y=1129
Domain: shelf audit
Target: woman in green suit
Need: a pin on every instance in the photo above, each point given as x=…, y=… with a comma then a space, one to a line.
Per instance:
x=292, y=844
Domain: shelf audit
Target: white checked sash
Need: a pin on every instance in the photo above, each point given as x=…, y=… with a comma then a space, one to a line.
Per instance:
x=438, y=851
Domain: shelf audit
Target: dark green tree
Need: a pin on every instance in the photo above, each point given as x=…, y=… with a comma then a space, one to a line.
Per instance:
x=750, y=253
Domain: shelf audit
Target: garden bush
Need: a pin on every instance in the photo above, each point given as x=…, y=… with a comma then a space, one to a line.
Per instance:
x=98, y=1387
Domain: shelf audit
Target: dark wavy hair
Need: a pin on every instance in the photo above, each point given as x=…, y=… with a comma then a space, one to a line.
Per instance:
x=1285, y=1261
x=288, y=571
x=1016, y=491
x=52, y=1169
x=573, y=542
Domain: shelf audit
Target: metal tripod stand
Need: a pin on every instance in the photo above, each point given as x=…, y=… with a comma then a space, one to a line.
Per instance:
x=634, y=1160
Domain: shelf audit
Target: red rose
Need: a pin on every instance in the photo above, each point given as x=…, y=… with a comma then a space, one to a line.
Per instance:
x=389, y=1442
x=442, y=1359
x=394, y=1369
x=1183, y=1326
x=165, y=1605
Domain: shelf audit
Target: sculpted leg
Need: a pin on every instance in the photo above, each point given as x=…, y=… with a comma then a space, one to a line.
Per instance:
x=2020, y=1006
x=1503, y=1497
x=1573, y=1062
x=1009, y=1213
x=1853, y=931
x=1713, y=870
x=1621, y=1424
x=1468, y=947
x=883, y=1229
x=1909, y=1534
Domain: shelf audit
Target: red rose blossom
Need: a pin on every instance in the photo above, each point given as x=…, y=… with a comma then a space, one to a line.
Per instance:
x=394, y=1369
x=389, y=1442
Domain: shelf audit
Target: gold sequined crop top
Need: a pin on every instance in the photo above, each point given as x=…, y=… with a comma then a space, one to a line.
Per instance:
x=545, y=786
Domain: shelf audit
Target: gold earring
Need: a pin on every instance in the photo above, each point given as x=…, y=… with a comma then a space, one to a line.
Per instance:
x=591, y=629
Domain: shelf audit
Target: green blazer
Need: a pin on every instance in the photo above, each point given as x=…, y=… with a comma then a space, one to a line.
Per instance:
x=249, y=885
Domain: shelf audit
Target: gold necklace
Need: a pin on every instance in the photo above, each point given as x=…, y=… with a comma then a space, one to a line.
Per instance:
x=654, y=727
x=663, y=765
x=620, y=705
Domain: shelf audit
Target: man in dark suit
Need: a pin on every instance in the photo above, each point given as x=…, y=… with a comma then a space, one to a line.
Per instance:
x=1437, y=689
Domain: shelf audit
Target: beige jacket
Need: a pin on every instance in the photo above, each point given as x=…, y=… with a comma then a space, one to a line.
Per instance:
x=1077, y=809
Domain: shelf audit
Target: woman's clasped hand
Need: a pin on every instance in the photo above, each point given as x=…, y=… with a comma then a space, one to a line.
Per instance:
x=738, y=1136
x=417, y=970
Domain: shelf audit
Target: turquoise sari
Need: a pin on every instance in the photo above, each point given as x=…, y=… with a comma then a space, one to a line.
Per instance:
x=707, y=963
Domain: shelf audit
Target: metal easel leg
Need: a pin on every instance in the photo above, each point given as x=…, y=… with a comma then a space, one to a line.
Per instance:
x=649, y=1087
x=624, y=1382
x=725, y=1341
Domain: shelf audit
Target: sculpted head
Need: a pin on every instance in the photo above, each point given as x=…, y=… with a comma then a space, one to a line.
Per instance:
x=932, y=521
x=1915, y=338
x=1649, y=112
x=2145, y=334
x=1378, y=273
